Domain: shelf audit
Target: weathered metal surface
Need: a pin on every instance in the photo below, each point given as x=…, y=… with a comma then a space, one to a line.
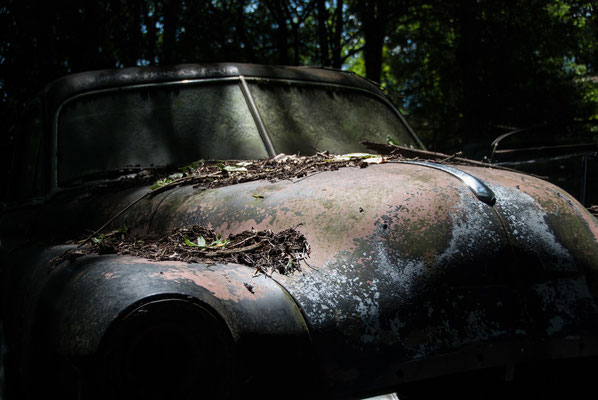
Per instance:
x=66, y=314
x=408, y=266
x=74, y=213
x=410, y=275
x=553, y=235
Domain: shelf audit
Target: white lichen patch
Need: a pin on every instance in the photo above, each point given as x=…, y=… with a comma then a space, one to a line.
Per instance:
x=472, y=227
x=338, y=295
x=528, y=226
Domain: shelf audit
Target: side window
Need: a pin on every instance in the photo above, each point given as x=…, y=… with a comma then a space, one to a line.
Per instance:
x=25, y=181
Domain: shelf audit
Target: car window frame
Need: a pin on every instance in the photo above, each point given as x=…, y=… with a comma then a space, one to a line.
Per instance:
x=246, y=91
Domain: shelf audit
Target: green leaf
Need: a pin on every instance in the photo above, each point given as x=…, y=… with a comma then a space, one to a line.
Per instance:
x=201, y=241
x=219, y=242
x=188, y=169
x=98, y=239
x=347, y=157
x=190, y=243
x=391, y=141
x=161, y=183
x=123, y=229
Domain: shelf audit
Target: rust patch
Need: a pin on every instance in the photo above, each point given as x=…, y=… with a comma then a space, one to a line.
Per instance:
x=216, y=283
x=110, y=275
x=131, y=261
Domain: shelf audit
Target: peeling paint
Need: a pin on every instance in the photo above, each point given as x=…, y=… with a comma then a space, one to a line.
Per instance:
x=218, y=285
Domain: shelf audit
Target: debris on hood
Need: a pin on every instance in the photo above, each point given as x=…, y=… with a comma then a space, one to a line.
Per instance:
x=211, y=174
x=265, y=251
x=396, y=152
x=401, y=152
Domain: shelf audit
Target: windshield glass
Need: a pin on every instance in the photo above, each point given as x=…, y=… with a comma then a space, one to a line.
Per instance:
x=309, y=118
x=155, y=126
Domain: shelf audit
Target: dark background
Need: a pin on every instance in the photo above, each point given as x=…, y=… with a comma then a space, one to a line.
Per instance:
x=463, y=71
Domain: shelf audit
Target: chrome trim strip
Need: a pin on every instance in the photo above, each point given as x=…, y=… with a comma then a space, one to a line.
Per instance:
x=255, y=113
x=476, y=185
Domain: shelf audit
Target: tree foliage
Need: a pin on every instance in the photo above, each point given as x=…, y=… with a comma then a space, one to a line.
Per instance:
x=477, y=66
x=464, y=70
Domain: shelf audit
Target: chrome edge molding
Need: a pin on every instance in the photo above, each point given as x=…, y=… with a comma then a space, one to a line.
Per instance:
x=479, y=188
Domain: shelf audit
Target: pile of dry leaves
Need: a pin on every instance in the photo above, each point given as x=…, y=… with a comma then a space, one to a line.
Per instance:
x=211, y=174
x=265, y=251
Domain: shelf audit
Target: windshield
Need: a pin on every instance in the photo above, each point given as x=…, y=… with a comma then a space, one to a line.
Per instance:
x=155, y=126
x=309, y=118
x=175, y=124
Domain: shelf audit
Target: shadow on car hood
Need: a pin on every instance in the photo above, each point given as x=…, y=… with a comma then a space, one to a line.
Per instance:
x=408, y=265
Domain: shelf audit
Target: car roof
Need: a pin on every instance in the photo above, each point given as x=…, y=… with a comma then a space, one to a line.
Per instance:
x=63, y=88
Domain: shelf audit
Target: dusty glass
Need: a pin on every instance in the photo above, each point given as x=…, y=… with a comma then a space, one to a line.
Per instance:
x=155, y=126
x=307, y=118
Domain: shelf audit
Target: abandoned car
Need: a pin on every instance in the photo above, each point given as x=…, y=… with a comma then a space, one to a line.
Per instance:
x=139, y=197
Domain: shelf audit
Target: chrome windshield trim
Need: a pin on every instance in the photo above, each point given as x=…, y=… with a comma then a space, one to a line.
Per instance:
x=476, y=185
x=257, y=118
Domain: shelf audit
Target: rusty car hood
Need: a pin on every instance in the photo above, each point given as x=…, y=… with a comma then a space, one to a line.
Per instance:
x=407, y=265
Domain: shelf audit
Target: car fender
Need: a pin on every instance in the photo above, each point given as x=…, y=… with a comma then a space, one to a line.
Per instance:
x=74, y=311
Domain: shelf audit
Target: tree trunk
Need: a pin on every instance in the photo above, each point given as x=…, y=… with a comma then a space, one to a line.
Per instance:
x=171, y=10
x=336, y=35
x=282, y=34
x=244, y=43
x=322, y=32
x=374, y=17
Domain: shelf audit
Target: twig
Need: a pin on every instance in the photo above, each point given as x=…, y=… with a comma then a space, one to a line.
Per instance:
x=111, y=219
x=242, y=241
x=232, y=251
x=459, y=153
